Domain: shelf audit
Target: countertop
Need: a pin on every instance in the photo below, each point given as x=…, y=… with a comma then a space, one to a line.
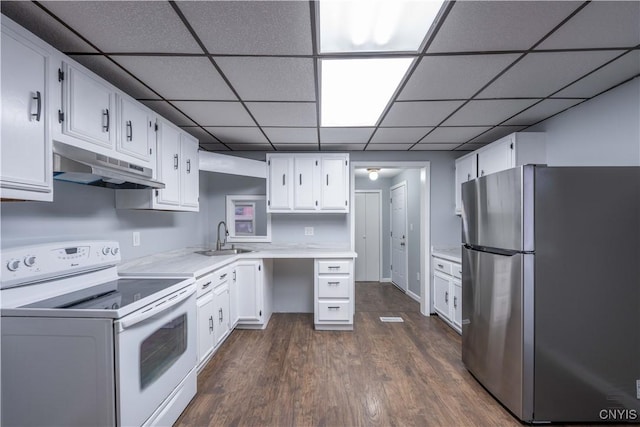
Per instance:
x=450, y=254
x=185, y=262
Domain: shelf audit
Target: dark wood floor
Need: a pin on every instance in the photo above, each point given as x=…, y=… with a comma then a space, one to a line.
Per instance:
x=380, y=374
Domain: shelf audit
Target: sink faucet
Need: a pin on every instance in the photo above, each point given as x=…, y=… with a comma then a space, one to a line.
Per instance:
x=220, y=244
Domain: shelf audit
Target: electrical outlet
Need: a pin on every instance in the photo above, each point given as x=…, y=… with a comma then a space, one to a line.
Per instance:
x=308, y=231
x=418, y=276
x=136, y=238
x=410, y=227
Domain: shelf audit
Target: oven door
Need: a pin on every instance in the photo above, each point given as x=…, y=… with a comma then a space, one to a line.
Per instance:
x=155, y=350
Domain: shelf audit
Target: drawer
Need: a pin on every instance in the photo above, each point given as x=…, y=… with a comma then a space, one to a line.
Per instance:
x=334, y=310
x=442, y=265
x=336, y=266
x=204, y=284
x=221, y=276
x=456, y=269
x=333, y=287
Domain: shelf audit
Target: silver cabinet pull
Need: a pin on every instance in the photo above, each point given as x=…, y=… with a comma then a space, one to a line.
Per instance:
x=206, y=285
x=222, y=276
x=283, y=179
x=188, y=165
x=481, y=173
x=129, y=130
x=105, y=114
x=300, y=179
x=210, y=323
x=335, y=307
x=38, y=112
x=175, y=161
x=455, y=302
x=220, y=315
x=468, y=177
x=327, y=179
x=440, y=265
x=333, y=267
x=333, y=283
x=446, y=297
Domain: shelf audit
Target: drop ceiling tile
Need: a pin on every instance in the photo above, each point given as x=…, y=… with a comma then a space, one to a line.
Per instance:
x=608, y=76
x=601, y=24
x=211, y=113
x=389, y=147
x=541, y=111
x=474, y=26
x=289, y=114
x=395, y=135
x=127, y=26
x=250, y=147
x=541, y=74
x=495, y=134
x=270, y=79
x=203, y=136
x=178, y=77
x=345, y=135
x=237, y=135
x=213, y=147
x=167, y=111
x=453, y=77
x=342, y=147
x=488, y=112
x=115, y=75
x=43, y=25
x=423, y=146
x=251, y=27
x=292, y=135
x=296, y=147
x=470, y=147
x=458, y=135
x=419, y=113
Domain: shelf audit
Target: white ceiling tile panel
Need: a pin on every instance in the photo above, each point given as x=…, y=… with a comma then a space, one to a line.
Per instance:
x=270, y=79
x=389, y=147
x=179, y=77
x=450, y=77
x=258, y=27
x=214, y=147
x=296, y=147
x=495, y=134
x=237, y=135
x=251, y=147
x=127, y=26
x=470, y=147
x=283, y=114
x=343, y=147
x=541, y=111
x=419, y=113
x=41, y=24
x=601, y=24
x=434, y=147
x=168, y=112
x=203, y=136
x=292, y=135
x=345, y=135
x=457, y=135
x=488, y=112
x=115, y=75
x=541, y=74
x=210, y=113
x=394, y=135
x=608, y=76
x=499, y=25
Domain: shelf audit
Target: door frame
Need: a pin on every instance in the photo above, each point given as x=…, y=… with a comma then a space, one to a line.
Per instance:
x=406, y=234
x=379, y=192
x=425, y=219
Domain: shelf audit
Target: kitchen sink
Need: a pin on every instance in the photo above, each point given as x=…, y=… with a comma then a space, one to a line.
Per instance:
x=221, y=252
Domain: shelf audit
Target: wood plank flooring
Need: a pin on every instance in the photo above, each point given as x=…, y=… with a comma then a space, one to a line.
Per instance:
x=381, y=374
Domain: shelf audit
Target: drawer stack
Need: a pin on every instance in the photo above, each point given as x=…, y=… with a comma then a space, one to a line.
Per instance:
x=333, y=294
x=447, y=291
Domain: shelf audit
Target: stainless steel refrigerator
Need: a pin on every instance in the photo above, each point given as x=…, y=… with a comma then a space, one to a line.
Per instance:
x=551, y=291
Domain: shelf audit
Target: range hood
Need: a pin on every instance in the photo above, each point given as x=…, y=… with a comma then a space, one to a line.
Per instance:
x=81, y=166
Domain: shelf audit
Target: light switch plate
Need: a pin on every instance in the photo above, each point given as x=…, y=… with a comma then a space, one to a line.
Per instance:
x=308, y=231
x=136, y=238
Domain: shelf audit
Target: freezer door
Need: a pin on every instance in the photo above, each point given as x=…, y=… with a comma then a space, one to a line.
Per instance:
x=493, y=335
x=497, y=210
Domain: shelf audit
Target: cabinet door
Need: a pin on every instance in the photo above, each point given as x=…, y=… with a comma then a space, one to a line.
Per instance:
x=457, y=303
x=134, y=129
x=441, y=295
x=26, y=147
x=190, y=176
x=466, y=170
x=249, y=285
x=497, y=157
x=88, y=106
x=205, y=325
x=334, y=183
x=169, y=164
x=279, y=188
x=221, y=312
x=304, y=176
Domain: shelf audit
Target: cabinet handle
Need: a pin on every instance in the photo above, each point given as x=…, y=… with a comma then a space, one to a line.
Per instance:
x=283, y=179
x=468, y=177
x=234, y=275
x=446, y=297
x=175, y=161
x=38, y=112
x=105, y=114
x=335, y=307
x=300, y=179
x=334, y=267
x=220, y=315
x=333, y=283
x=211, y=323
x=327, y=179
x=129, y=131
x=189, y=166
x=401, y=243
x=460, y=272
x=455, y=302
x=440, y=265
x=222, y=276
x=206, y=285
x=481, y=173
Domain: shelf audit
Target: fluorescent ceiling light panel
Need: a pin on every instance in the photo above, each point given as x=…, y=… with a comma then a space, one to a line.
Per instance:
x=355, y=91
x=375, y=25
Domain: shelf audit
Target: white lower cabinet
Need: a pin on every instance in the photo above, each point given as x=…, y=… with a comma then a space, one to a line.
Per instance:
x=213, y=307
x=221, y=326
x=252, y=279
x=447, y=292
x=333, y=294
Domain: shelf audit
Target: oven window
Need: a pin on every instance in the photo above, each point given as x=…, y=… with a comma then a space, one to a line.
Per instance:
x=161, y=349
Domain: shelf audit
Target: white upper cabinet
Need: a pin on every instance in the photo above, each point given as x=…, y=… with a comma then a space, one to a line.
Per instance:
x=26, y=165
x=168, y=164
x=189, y=172
x=135, y=129
x=496, y=158
x=466, y=170
x=308, y=183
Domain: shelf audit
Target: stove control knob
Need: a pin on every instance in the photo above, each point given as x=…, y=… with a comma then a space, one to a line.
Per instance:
x=105, y=251
x=29, y=260
x=13, y=264
x=115, y=251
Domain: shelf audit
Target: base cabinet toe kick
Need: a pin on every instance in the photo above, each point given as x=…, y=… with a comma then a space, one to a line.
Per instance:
x=333, y=294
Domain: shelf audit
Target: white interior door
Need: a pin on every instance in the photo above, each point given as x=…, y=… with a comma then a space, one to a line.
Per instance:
x=368, y=236
x=399, y=235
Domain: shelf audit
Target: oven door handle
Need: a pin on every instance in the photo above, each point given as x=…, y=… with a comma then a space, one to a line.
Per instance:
x=163, y=305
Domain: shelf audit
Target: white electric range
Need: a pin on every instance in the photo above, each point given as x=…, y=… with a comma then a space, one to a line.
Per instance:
x=82, y=346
